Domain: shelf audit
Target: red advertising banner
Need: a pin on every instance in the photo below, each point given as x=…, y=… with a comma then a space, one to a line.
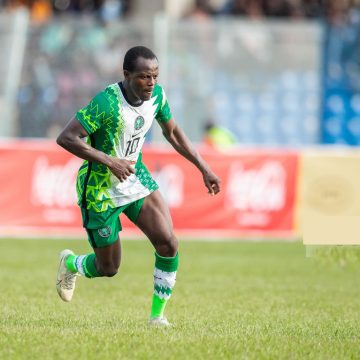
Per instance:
x=257, y=192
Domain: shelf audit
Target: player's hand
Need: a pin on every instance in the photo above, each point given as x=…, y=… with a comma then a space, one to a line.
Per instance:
x=121, y=168
x=212, y=182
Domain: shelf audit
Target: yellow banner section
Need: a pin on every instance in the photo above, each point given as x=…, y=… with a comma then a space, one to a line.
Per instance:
x=329, y=197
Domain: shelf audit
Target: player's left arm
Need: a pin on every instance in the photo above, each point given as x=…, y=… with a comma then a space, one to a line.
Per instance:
x=180, y=142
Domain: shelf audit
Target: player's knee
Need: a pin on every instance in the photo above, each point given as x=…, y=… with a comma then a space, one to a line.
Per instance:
x=168, y=247
x=109, y=269
x=173, y=245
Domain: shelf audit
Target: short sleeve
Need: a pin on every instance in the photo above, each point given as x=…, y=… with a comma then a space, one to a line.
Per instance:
x=164, y=112
x=91, y=116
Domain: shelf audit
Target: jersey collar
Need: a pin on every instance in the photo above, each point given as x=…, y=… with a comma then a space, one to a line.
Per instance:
x=121, y=86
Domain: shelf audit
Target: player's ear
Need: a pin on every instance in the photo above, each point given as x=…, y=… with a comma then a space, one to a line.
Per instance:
x=126, y=74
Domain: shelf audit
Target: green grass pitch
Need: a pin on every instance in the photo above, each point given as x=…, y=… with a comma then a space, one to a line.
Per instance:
x=233, y=300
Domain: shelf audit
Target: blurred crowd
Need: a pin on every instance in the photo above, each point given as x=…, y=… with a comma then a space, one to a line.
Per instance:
x=331, y=10
x=42, y=10
x=108, y=10
x=70, y=58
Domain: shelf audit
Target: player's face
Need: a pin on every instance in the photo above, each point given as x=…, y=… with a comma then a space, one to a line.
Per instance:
x=142, y=80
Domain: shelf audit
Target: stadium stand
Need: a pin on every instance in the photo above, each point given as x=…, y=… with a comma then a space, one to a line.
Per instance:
x=260, y=90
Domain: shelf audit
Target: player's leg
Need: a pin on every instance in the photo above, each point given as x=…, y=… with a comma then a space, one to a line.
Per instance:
x=155, y=221
x=108, y=259
x=105, y=260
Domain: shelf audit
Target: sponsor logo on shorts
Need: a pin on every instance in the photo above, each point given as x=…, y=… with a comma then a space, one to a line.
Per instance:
x=105, y=232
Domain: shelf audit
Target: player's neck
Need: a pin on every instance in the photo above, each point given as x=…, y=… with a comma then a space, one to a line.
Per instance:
x=130, y=97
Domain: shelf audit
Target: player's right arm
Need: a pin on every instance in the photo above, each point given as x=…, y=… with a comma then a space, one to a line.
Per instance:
x=71, y=140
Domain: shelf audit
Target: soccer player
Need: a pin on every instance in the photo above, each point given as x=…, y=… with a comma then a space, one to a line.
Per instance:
x=113, y=178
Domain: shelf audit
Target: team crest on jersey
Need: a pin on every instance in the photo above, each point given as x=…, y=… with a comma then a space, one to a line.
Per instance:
x=139, y=122
x=105, y=232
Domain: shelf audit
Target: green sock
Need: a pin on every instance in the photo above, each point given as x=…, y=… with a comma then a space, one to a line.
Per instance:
x=70, y=263
x=157, y=306
x=164, y=282
x=84, y=264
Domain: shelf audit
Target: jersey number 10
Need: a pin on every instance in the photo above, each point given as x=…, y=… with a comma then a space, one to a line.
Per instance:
x=131, y=146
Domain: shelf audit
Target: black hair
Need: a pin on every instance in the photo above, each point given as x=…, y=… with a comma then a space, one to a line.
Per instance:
x=133, y=54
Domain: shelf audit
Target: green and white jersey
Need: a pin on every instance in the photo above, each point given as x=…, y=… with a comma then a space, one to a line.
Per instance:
x=118, y=129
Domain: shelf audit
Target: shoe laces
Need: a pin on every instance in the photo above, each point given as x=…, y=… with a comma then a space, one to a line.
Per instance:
x=69, y=279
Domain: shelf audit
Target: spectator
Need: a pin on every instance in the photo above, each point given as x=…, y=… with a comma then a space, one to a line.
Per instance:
x=251, y=8
x=217, y=136
x=202, y=10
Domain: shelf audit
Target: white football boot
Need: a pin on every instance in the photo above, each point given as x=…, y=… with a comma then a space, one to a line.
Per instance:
x=65, y=282
x=159, y=321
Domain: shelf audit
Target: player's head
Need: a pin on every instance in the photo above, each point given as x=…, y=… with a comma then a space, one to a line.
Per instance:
x=141, y=70
x=133, y=54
